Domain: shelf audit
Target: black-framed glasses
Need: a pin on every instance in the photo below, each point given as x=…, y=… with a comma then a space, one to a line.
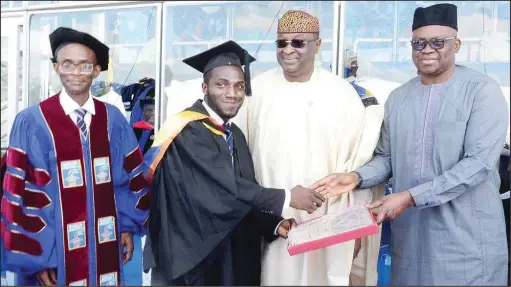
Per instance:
x=295, y=43
x=419, y=45
x=83, y=68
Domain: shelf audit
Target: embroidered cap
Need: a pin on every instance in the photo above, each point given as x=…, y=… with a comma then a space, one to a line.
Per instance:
x=295, y=21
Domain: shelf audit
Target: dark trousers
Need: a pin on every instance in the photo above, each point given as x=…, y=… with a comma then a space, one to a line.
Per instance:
x=215, y=270
x=504, y=187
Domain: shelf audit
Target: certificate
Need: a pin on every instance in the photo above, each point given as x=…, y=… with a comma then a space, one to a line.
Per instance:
x=348, y=224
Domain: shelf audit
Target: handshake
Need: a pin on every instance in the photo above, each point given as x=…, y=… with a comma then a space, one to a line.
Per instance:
x=310, y=199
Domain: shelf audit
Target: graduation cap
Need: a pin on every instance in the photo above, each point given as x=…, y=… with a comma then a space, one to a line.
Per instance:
x=226, y=54
x=63, y=36
x=440, y=14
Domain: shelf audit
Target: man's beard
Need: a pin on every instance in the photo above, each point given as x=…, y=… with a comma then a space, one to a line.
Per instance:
x=208, y=99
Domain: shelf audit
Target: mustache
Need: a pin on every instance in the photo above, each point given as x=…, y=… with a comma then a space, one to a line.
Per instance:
x=422, y=59
x=288, y=58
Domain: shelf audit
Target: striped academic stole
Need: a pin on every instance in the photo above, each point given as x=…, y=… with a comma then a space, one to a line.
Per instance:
x=74, y=176
x=166, y=135
x=169, y=131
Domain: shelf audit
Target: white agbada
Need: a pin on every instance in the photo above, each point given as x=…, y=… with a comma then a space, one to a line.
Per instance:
x=298, y=133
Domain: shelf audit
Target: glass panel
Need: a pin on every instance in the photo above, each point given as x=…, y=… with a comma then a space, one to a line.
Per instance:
x=11, y=74
x=4, y=87
x=11, y=4
x=34, y=3
x=378, y=32
x=21, y=98
x=192, y=29
x=129, y=32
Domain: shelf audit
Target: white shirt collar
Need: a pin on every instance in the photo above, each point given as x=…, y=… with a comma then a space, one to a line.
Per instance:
x=69, y=105
x=214, y=115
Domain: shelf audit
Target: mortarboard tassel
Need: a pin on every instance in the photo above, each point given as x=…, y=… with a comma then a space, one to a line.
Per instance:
x=248, y=88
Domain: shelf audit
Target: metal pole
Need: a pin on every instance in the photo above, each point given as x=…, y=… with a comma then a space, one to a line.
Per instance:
x=339, y=26
x=160, y=76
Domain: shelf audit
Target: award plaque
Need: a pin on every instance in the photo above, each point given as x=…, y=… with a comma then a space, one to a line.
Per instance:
x=351, y=223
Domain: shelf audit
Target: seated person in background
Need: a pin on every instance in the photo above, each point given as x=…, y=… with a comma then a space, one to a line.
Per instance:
x=144, y=129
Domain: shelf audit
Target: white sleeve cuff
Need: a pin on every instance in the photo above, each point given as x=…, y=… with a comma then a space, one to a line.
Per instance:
x=275, y=231
x=287, y=200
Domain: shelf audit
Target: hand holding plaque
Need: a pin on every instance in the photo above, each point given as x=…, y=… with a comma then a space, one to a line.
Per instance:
x=348, y=224
x=285, y=227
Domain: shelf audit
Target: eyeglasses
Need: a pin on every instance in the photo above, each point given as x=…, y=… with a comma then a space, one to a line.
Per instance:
x=295, y=43
x=419, y=45
x=84, y=68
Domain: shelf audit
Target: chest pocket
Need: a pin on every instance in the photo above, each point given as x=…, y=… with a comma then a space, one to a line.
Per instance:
x=448, y=143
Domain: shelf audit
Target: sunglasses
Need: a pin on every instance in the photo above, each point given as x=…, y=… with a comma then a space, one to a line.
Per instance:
x=295, y=43
x=437, y=44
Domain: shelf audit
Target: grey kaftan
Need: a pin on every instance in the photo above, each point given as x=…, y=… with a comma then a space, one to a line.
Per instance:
x=442, y=143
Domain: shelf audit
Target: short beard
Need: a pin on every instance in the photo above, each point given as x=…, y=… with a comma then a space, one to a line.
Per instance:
x=213, y=106
x=211, y=103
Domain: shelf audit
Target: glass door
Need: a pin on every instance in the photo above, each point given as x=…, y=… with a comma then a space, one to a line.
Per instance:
x=11, y=92
x=11, y=95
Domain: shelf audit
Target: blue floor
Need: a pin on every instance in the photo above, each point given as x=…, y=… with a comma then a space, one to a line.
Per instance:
x=132, y=270
x=384, y=258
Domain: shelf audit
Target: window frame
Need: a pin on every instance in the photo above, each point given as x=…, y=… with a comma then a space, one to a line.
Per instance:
x=117, y=5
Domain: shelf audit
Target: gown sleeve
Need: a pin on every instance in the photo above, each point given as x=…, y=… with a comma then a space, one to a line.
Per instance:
x=28, y=225
x=132, y=192
x=266, y=224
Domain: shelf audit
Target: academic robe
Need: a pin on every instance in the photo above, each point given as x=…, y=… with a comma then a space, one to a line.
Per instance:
x=145, y=135
x=67, y=199
x=442, y=143
x=299, y=133
x=207, y=218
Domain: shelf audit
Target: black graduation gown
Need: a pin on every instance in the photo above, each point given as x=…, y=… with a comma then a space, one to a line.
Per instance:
x=504, y=187
x=198, y=201
x=256, y=225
